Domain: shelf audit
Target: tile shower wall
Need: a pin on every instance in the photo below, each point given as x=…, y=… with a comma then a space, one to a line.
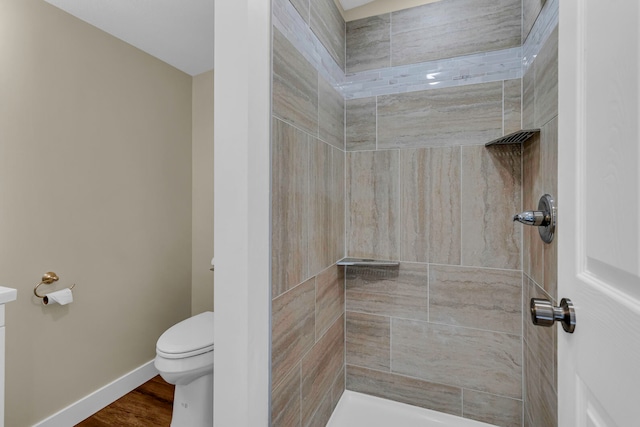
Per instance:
x=444, y=329
x=540, y=173
x=308, y=297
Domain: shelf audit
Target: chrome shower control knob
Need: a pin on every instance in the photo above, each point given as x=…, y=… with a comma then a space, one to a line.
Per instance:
x=544, y=218
x=543, y=313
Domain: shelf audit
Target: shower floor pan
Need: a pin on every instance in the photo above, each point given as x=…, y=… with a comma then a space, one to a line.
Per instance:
x=361, y=410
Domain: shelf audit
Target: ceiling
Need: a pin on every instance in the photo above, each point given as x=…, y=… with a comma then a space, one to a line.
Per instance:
x=350, y=4
x=178, y=32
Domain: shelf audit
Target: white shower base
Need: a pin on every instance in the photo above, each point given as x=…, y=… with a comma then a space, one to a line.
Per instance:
x=361, y=410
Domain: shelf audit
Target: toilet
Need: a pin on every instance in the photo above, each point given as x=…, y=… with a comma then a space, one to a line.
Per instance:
x=184, y=357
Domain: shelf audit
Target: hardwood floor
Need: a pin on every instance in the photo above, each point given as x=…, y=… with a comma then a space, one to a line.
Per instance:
x=148, y=405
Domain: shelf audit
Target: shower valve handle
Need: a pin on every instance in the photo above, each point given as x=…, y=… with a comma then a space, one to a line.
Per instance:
x=544, y=218
x=534, y=218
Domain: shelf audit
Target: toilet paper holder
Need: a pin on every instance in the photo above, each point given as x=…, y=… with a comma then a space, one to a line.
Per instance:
x=47, y=279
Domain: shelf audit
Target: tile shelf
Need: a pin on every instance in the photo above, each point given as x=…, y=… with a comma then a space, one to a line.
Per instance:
x=517, y=137
x=362, y=262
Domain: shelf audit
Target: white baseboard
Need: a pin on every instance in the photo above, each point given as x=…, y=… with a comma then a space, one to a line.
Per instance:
x=89, y=405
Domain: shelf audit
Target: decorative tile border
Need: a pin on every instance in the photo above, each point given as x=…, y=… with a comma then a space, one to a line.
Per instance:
x=506, y=64
x=463, y=70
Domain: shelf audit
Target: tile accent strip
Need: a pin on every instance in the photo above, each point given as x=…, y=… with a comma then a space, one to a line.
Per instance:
x=505, y=64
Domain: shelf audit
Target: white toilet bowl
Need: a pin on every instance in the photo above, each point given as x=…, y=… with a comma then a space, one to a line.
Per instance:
x=184, y=357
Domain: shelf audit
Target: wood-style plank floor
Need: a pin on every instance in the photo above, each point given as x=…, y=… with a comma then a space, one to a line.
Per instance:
x=148, y=405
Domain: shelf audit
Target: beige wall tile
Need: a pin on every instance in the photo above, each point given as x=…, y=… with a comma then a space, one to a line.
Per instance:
x=532, y=178
x=403, y=295
x=338, y=386
x=530, y=11
x=329, y=298
x=373, y=192
x=468, y=358
x=489, y=408
x=302, y=6
x=368, y=341
x=320, y=367
x=528, y=98
x=327, y=23
x=489, y=299
x=444, y=206
x=460, y=27
x=293, y=329
x=415, y=192
x=361, y=124
x=330, y=114
x=549, y=162
x=512, y=106
x=285, y=401
x=403, y=389
x=337, y=200
x=546, y=84
x=464, y=115
x=320, y=177
x=369, y=43
x=295, y=86
x=491, y=181
x=290, y=204
x=541, y=341
x=542, y=400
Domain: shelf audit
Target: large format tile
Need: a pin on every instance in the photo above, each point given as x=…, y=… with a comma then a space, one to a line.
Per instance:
x=461, y=115
x=415, y=190
x=290, y=204
x=325, y=410
x=469, y=358
x=285, y=401
x=373, y=192
x=476, y=297
x=453, y=28
x=403, y=389
x=337, y=200
x=368, y=341
x=549, y=160
x=532, y=178
x=328, y=25
x=491, y=191
x=329, y=298
x=320, y=367
x=302, y=6
x=403, y=295
x=293, y=329
x=512, y=106
x=295, y=86
x=369, y=43
x=444, y=206
x=331, y=114
x=540, y=342
x=489, y=408
x=546, y=85
x=528, y=98
x=320, y=176
x=361, y=124
x=542, y=400
x=530, y=11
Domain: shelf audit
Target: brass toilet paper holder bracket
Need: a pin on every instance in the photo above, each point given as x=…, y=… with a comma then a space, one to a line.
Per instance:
x=47, y=279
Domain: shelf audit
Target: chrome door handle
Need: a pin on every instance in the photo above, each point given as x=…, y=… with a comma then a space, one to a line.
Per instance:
x=543, y=313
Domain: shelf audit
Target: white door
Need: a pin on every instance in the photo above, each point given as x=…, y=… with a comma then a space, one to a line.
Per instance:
x=599, y=213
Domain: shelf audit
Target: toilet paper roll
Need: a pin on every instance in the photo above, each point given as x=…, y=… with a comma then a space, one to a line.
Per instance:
x=62, y=297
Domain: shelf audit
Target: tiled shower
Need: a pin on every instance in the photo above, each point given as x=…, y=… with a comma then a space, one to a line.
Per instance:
x=386, y=160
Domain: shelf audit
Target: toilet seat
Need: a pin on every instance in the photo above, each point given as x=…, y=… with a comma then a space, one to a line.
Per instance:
x=189, y=338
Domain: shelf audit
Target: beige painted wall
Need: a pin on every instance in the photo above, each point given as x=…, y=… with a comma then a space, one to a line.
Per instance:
x=202, y=245
x=95, y=184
